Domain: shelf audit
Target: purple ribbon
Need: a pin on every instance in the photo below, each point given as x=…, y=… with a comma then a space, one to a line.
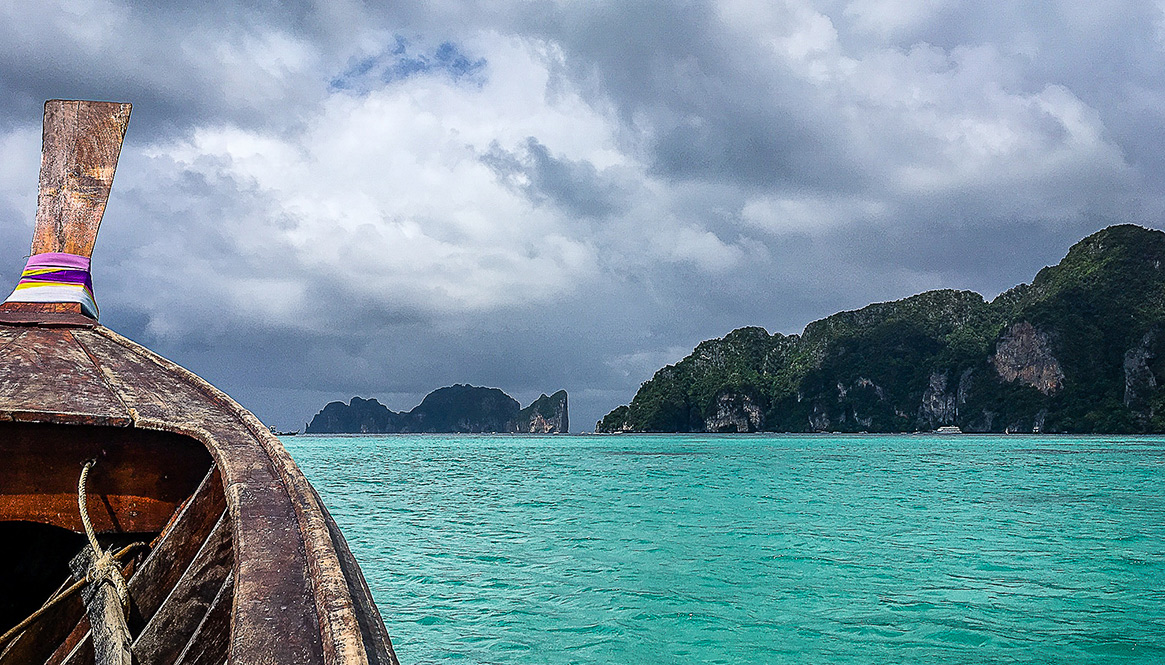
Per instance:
x=58, y=260
x=67, y=276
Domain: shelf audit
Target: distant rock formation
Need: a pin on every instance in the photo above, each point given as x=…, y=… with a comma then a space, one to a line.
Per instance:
x=362, y=416
x=1024, y=355
x=545, y=415
x=455, y=409
x=1079, y=350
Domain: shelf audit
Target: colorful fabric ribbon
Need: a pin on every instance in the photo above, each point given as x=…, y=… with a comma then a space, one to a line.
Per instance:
x=56, y=277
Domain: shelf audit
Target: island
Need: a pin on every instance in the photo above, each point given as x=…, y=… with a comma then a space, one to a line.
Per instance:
x=454, y=409
x=1079, y=350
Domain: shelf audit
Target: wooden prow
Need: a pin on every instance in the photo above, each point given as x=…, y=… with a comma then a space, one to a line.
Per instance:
x=80, y=146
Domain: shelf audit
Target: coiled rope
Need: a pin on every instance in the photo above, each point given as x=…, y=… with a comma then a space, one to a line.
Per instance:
x=104, y=568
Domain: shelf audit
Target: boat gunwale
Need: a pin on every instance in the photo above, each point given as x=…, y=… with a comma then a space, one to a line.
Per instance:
x=342, y=634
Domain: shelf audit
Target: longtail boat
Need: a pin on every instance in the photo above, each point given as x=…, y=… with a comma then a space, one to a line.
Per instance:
x=145, y=516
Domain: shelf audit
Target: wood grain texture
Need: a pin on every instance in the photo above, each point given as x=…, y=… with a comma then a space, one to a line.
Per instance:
x=208, y=646
x=43, y=316
x=46, y=370
x=175, y=549
x=185, y=607
x=140, y=480
x=109, y=633
x=81, y=143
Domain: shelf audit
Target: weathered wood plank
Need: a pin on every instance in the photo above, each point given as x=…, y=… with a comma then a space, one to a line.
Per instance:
x=57, y=307
x=9, y=335
x=140, y=480
x=49, y=314
x=176, y=621
x=209, y=644
x=77, y=649
x=13, y=315
x=77, y=633
x=272, y=582
x=108, y=631
x=40, y=639
x=46, y=371
x=153, y=394
x=80, y=146
x=175, y=549
x=272, y=587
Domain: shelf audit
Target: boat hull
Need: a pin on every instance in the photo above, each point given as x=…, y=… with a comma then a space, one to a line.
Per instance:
x=271, y=580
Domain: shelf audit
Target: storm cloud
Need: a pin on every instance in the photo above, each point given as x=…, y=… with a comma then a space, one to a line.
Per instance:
x=320, y=200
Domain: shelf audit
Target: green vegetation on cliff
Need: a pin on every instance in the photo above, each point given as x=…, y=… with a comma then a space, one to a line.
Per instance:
x=1077, y=350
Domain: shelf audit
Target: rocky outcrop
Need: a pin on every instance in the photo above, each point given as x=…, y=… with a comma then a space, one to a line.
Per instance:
x=545, y=415
x=362, y=416
x=938, y=405
x=735, y=412
x=1139, y=379
x=819, y=419
x=863, y=382
x=454, y=409
x=1023, y=355
x=1074, y=351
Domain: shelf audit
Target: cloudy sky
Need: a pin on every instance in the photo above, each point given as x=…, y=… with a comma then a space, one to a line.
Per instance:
x=321, y=200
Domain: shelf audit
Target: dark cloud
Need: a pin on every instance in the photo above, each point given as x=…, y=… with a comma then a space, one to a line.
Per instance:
x=575, y=185
x=697, y=97
x=318, y=200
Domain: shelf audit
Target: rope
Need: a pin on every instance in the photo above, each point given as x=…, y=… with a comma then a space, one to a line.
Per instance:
x=82, y=501
x=55, y=600
x=104, y=569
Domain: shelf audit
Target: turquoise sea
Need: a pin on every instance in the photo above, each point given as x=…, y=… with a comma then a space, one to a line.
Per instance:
x=755, y=549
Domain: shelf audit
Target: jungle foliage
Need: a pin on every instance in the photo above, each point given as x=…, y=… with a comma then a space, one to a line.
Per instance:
x=930, y=360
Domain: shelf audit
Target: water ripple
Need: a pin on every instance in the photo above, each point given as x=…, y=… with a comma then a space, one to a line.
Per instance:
x=758, y=549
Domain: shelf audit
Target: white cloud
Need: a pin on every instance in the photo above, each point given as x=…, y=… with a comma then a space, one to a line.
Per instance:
x=891, y=18
x=926, y=122
x=701, y=248
x=810, y=213
x=646, y=162
x=387, y=194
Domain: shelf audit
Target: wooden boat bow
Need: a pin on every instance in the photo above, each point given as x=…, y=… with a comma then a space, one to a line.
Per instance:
x=246, y=564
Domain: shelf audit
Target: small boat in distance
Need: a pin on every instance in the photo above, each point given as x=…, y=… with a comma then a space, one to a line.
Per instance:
x=146, y=516
x=948, y=429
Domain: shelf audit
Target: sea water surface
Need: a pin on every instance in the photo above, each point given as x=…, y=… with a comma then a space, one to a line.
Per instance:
x=755, y=549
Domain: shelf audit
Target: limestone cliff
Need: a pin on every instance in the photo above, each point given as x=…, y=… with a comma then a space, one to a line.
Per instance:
x=1140, y=382
x=1024, y=355
x=1074, y=351
x=545, y=415
x=735, y=412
